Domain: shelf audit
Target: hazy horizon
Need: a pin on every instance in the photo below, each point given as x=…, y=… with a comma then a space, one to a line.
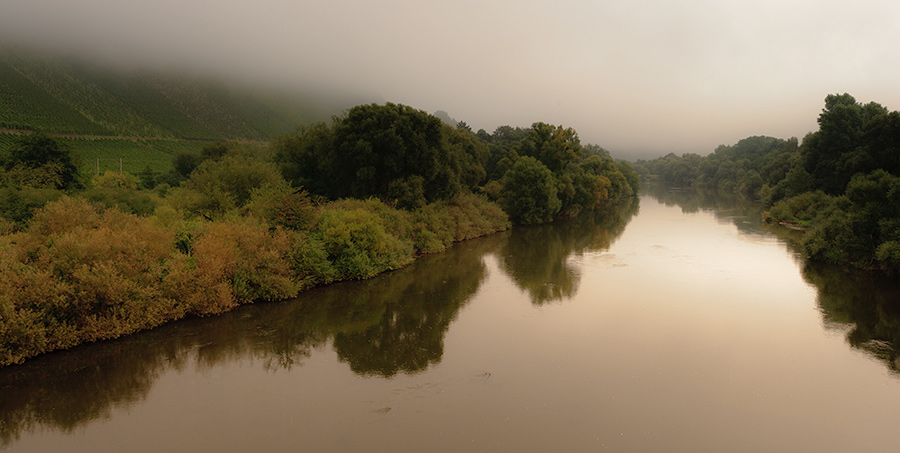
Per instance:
x=638, y=78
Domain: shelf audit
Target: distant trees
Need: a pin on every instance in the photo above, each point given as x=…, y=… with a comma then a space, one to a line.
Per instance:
x=390, y=151
x=39, y=160
x=582, y=178
x=753, y=167
x=408, y=158
x=843, y=180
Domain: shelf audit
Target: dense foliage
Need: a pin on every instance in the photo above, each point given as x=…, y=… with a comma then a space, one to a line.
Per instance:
x=39, y=160
x=408, y=158
x=842, y=181
x=88, y=256
x=82, y=272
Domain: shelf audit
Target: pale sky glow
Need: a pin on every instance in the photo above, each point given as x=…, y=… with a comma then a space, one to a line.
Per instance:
x=641, y=78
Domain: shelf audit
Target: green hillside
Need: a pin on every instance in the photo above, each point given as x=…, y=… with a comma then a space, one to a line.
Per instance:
x=143, y=118
x=26, y=104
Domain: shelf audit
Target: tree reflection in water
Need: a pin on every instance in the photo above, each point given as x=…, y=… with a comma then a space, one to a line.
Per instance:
x=536, y=258
x=416, y=306
x=865, y=303
x=395, y=323
x=389, y=324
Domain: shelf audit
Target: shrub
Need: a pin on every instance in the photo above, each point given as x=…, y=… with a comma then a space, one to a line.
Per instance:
x=804, y=207
x=282, y=205
x=434, y=228
x=359, y=245
x=888, y=256
x=39, y=160
x=115, y=180
x=125, y=200
x=309, y=261
x=247, y=256
x=80, y=275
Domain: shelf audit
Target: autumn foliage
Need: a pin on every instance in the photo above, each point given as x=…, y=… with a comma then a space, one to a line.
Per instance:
x=81, y=272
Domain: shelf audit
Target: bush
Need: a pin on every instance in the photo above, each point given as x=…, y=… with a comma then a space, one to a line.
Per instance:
x=476, y=216
x=434, y=228
x=248, y=257
x=359, y=245
x=888, y=256
x=125, y=200
x=217, y=187
x=284, y=206
x=309, y=261
x=81, y=275
x=111, y=179
x=803, y=208
x=39, y=160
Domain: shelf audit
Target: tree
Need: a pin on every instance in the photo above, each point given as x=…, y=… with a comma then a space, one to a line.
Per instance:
x=375, y=145
x=837, y=151
x=214, y=150
x=216, y=187
x=185, y=163
x=47, y=160
x=529, y=192
x=554, y=146
x=305, y=157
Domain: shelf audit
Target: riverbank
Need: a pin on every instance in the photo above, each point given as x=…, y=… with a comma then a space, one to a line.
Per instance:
x=79, y=273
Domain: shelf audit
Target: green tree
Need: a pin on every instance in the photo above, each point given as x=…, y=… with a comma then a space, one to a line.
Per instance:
x=554, y=146
x=305, y=157
x=837, y=151
x=529, y=192
x=42, y=159
x=377, y=144
x=185, y=163
x=214, y=150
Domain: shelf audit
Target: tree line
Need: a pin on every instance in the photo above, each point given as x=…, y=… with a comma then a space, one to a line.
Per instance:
x=842, y=182
x=409, y=158
x=89, y=257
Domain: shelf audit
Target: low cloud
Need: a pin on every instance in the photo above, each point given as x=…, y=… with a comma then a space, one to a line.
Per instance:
x=637, y=77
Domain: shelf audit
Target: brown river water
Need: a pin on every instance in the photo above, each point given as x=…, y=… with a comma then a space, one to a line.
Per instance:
x=679, y=323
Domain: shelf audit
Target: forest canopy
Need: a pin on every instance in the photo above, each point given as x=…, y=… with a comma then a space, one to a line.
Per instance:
x=87, y=256
x=409, y=158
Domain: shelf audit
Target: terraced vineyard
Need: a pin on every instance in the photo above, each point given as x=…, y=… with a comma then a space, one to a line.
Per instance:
x=142, y=118
x=135, y=155
x=26, y=105
x=6, y=140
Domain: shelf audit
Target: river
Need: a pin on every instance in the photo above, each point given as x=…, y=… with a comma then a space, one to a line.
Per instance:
x=679, y=323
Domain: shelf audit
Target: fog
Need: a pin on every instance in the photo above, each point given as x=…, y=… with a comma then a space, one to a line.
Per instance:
x=640, y=78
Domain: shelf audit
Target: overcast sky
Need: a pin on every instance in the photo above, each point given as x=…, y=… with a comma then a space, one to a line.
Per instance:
x=641, y=78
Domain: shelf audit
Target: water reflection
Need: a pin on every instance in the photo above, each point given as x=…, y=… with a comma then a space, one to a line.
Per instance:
x=389, y=324
x=537, y=258
x=649, y=356
x=865, y=304
x=416, y=306
x=726, y=208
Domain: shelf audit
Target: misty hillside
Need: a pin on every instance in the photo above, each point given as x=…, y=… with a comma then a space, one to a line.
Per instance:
x=58, y=95
x=141, y=117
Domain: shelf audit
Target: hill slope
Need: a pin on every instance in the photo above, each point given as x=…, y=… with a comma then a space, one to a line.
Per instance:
x=59, y=95
x=139, y=118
